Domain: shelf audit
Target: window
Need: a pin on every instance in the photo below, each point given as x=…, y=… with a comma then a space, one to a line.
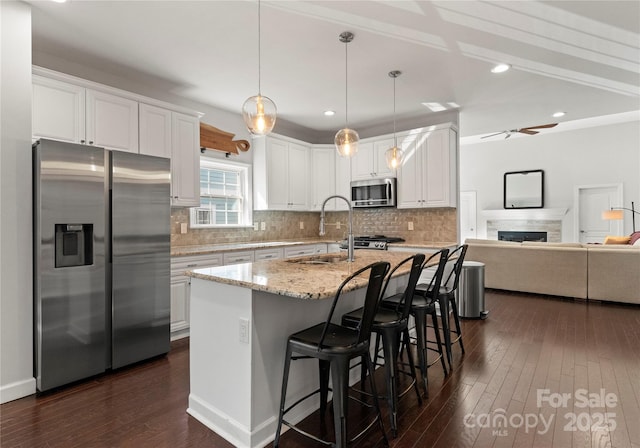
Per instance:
x=224, y=195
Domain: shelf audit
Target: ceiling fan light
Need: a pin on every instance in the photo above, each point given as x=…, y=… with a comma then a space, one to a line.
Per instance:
x=394, y=157
x=259, y=114
x=346, y=142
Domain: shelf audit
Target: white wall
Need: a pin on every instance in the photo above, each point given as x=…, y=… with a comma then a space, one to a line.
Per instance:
x=607, y=154
x=16, y=305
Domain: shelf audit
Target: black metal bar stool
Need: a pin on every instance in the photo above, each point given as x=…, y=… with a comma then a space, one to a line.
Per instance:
x=421, y=307
x=390, y=325
x=334, y=346
x=447, y=300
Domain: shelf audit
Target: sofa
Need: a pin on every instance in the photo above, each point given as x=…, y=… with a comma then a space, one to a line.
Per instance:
x=584, y=271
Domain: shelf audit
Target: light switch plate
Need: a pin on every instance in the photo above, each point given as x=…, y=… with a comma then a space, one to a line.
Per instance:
x=410, y=225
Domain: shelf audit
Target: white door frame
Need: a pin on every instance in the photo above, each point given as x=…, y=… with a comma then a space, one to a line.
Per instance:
x=467, y=207
x=576, y=206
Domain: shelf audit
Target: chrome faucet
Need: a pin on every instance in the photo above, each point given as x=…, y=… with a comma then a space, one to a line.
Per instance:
x=350, y=255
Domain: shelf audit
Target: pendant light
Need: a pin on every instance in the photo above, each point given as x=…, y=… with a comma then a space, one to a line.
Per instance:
x=394, y=155
x=259, y=112
x=346, y=139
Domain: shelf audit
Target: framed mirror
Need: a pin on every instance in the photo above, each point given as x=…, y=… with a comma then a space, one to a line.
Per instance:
x=524, y=189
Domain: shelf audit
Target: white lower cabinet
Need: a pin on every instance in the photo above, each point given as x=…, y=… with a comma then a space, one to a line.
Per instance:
x=181, y=289
x=304, y=250
x=245, y=256
x=269, y=254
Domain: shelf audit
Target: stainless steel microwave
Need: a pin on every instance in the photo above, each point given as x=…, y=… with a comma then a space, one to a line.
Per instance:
x=374, y=192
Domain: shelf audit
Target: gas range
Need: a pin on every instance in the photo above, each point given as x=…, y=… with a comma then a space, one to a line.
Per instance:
x=379, y=242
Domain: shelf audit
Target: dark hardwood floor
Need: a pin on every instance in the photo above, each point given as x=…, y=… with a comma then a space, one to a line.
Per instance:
x=504, y=392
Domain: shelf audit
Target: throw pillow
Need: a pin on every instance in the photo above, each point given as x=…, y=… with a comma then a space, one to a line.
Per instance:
x=635, y=236
x=617, y=239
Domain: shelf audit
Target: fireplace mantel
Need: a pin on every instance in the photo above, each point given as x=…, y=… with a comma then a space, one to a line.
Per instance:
x=550, y=214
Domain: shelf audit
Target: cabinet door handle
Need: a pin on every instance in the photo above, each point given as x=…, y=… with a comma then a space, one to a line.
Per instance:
x=192, y=265
x=82, y=141
x=91, y=142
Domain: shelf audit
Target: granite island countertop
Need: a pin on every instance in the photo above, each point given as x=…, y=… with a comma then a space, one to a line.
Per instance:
x=296, y=277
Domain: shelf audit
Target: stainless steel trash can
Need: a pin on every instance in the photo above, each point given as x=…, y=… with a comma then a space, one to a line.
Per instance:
x=470, y=293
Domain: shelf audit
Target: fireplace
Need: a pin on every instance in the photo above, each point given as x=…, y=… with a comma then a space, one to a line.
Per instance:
x=519, y=236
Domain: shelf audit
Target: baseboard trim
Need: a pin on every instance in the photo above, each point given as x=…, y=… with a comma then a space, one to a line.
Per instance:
x=18, y=389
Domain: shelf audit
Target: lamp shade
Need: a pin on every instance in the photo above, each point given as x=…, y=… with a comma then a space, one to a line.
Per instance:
x=612, y=214
x=394, y=157
x=259, y=114
x=346, y=142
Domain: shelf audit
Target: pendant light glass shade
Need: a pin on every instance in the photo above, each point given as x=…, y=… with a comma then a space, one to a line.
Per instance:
x=259, y=112
x=394, y=155
x=346, y=140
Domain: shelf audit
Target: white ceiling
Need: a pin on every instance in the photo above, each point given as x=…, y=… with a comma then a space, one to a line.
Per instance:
x=581, y=57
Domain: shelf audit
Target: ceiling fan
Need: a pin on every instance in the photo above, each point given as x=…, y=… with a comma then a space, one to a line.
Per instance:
x=529, y=131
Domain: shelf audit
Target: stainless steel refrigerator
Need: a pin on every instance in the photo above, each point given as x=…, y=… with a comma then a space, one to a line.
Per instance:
x=101, y=226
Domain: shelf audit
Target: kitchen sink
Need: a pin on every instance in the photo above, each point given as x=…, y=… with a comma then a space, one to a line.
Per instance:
x=318, y=259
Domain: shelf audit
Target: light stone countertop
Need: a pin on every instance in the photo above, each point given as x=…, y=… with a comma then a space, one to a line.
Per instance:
x=177, y=251
x=291, y=278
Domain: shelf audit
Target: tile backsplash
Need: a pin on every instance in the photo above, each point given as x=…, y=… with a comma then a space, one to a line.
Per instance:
x=429, y=225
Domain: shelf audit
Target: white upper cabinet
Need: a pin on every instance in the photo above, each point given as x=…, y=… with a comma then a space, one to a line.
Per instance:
x=155, y=130
x=331, y=176
x=78, y=111
x=165, y=133
x=369, y=162
x=323, y=165
x=343, y=179
x=280, y=174
x=58, y=110
x=185, y=160
x=71, y=113
x=112, y=121
x=428, y=175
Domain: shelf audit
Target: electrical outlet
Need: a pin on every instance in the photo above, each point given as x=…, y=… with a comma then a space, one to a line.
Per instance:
x=263, y=225
x=256, y=226
x=410, y=225
x=337, y=225
x=301, y=225
x=183, y=227
x=243, y=326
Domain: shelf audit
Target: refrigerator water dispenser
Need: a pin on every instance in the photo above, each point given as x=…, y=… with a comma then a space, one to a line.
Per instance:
x=74, y=245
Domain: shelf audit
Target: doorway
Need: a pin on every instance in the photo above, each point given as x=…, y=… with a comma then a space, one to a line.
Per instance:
x=590, y=201
x=467, y=213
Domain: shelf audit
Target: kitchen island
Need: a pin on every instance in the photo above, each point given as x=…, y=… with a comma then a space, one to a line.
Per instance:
x=241, y=316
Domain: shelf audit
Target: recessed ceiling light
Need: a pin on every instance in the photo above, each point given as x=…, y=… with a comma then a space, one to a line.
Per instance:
x=500, y=68
x=59, y=1
x=435, y=107
x=329, y=113
x=559, y=114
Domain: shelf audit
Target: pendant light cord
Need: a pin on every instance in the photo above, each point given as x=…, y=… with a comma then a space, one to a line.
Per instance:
x=346, y=84
x=259, y=51
x=395, y=140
